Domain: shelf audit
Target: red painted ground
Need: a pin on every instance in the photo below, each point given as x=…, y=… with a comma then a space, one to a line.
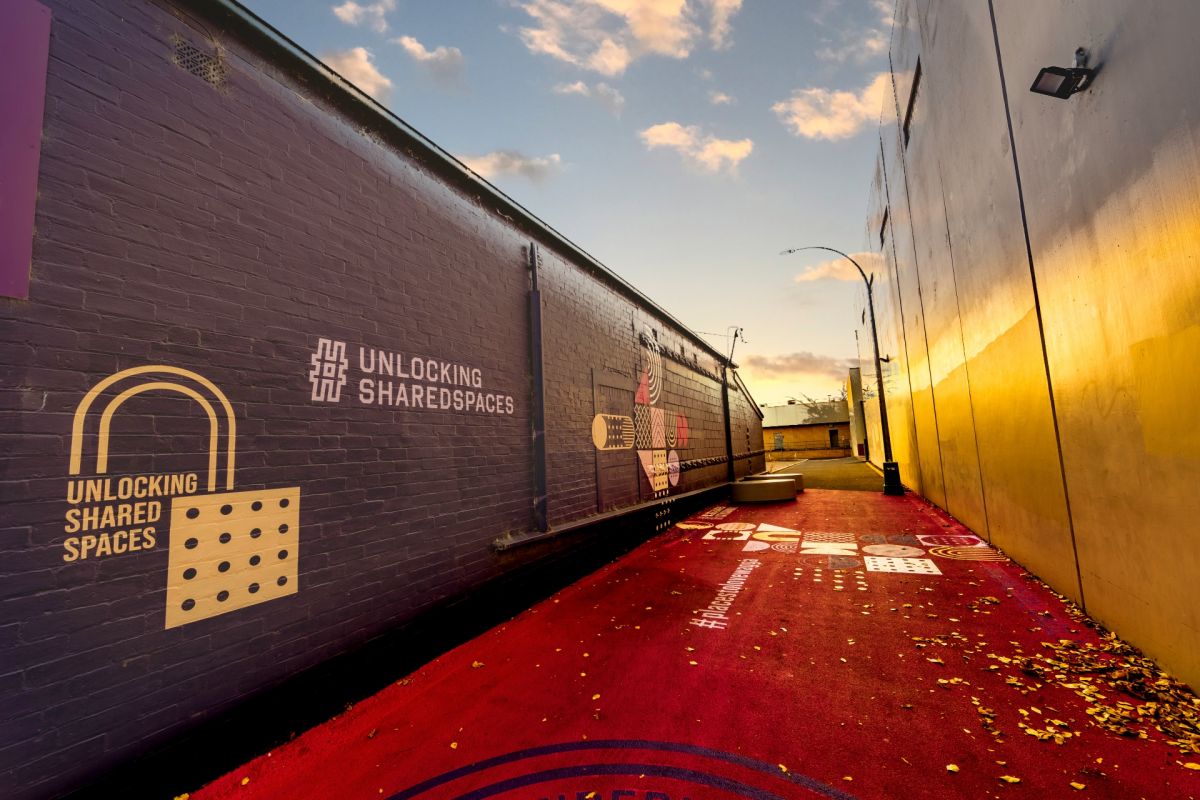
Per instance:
x=820, y=679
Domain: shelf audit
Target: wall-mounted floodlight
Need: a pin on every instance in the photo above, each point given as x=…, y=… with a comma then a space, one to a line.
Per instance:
x=1062, y=82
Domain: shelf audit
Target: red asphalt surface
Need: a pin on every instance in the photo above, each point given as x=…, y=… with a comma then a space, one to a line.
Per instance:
x=846, y=656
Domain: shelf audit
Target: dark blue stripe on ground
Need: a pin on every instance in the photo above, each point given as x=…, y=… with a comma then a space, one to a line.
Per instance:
x=705, y=779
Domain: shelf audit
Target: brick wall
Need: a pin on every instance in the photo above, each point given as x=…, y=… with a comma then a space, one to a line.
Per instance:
x=222, y=231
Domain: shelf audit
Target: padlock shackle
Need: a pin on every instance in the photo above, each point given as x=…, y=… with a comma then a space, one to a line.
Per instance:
x=85, y=405
x=116, y=402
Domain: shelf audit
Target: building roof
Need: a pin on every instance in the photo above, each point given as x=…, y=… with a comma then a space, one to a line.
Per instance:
x=823, y=413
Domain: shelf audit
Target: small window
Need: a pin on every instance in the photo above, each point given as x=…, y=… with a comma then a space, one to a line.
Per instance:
x=912, y=103
x=779, y=441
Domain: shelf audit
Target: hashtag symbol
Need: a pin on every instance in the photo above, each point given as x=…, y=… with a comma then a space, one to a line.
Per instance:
x=328, y=373
x=708, y=623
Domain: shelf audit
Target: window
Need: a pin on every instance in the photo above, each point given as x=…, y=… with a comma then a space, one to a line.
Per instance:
x=779, y=441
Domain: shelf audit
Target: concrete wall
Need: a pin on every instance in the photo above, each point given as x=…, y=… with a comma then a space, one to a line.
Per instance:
x=210, y=481
x=1039, y=281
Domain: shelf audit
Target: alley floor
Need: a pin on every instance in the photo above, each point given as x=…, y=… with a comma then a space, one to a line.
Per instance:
x=845, y=645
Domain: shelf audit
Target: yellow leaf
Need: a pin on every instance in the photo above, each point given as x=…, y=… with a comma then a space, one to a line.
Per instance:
x=847, y=778
x=952, y=768
x=245, y=781
x=1191, y=765
x=1009, y=779
x=782, y=768
x=1079, y=787
x=454, y=745
x=476, y=664
x=596, y=697
x=693, y=663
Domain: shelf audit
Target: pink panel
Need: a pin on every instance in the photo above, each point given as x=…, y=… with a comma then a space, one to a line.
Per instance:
x=24, y=53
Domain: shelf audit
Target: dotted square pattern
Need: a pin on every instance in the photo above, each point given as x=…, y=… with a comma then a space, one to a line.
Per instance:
x=912, y=566
x=829, y=538
x=230, y=550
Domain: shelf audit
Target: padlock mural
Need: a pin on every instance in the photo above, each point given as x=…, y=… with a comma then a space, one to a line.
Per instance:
x=227, y=549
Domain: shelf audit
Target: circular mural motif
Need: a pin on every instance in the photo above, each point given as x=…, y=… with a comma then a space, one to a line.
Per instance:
x=893, y=550
x=607, y=768
x=968, y=553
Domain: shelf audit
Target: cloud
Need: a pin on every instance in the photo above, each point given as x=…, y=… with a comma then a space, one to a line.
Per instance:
x=606, y=36
x=445, y=64
x=607, y=96
x=721, y=14
x=794, y=365
x=870, y=44
x=839, y=269
x=705, y=151
x=861, y=45
x=355, y=66
x=832, y=115
x=373, y=15
x=886, y=10
x=511, y=162
x=720, y=98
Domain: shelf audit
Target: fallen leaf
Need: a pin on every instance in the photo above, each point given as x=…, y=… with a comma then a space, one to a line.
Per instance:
x=245, y=781
x=1079, y=787
x=476, y=664
x=596, y=696
x=454, y=745
x=1009, y=779
x=782, y=768
x=1189, y=765
x=952, y=768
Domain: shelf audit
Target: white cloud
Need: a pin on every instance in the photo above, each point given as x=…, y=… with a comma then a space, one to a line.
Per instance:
x=606, y=36
x=511, y=162
x=886, y=10
x=839, y=269
x=373, y=15
x=795, y=365
x=720, y=98
x=831, y=115
x=602, y=93
x=705, y=151
x=355, y=66
x=445, y=64
x=722, y=12
x=871, y=43
x=578, y=87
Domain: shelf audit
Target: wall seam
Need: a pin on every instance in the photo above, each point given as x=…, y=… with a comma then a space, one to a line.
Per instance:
x=1037, y=305
x=966, y=367
x=912, y=418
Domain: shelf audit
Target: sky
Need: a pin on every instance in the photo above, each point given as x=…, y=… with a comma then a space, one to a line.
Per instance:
x=682, y=143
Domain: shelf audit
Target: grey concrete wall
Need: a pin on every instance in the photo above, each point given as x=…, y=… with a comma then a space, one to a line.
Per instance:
x=1054, y=320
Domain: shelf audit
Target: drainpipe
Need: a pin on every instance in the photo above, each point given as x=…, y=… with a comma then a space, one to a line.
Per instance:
x=538, y=404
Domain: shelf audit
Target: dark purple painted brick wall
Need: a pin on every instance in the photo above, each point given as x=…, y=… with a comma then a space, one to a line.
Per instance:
x=224, y=231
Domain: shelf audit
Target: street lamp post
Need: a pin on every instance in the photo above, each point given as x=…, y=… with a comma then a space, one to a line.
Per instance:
x=891, y=470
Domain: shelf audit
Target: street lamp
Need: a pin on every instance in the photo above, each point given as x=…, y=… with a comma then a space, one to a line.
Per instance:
x=891, y=470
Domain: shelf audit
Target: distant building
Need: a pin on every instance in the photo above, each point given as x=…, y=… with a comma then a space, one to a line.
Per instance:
x=806, y=430
x=854, y=405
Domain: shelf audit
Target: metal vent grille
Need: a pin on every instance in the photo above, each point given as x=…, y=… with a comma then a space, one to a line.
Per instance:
x=206, y=66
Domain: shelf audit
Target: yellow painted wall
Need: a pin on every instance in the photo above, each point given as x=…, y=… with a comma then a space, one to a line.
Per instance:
x=1080, y=457
x=807, y=441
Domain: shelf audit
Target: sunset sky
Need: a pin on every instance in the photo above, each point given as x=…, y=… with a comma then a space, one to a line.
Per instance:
x=683, y=143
